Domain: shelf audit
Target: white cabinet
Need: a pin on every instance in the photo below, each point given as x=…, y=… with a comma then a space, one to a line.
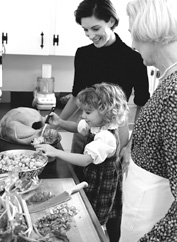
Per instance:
x=71, y=35
x=23, y=22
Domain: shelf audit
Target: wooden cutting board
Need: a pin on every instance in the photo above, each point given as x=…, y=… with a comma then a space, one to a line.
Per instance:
x=82, y=228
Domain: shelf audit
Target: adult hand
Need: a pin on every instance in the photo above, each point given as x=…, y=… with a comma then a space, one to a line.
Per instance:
x=124, y=156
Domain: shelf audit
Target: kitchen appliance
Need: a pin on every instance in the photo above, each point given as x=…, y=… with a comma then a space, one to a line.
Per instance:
x=44, y=96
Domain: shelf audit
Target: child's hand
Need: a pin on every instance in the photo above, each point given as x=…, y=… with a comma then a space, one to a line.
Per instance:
x=47, y=149
x=83, y=127
x=54, y=120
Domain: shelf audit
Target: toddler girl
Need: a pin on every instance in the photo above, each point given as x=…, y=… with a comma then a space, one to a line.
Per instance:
x=104, y=109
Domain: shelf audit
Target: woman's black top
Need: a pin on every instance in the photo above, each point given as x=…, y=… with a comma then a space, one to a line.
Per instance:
x=118, y=64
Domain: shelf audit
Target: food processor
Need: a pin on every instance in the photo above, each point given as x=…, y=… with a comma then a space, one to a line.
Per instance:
x=44, y=95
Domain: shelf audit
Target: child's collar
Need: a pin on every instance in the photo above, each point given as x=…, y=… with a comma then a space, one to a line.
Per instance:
x=95, y=130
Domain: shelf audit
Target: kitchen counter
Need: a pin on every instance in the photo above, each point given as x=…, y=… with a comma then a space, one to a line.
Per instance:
x=63, y=170
x=57, y=176
x=84, y=227
x=63, y=173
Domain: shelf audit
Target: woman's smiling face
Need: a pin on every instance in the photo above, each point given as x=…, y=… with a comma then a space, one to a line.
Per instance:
x=98, y=31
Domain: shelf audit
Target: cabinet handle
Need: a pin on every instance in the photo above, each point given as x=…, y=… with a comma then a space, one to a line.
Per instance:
x=158, y=74
x=152, y=72
x=42, y=40
x=55, y=39
x=4, y=38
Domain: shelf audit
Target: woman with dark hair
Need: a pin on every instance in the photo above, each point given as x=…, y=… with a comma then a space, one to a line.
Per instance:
x=100, y=9
x=107, y=59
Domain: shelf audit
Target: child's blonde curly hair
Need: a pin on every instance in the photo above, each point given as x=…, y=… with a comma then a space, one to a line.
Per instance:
x=109, y=99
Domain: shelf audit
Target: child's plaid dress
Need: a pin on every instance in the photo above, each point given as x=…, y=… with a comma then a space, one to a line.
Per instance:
x=104, y=190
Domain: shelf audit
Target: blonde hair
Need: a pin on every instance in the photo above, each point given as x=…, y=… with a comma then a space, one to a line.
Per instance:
x=153, y=20
x=108, y=99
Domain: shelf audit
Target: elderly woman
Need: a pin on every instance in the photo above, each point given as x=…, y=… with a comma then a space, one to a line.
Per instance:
x=150, y=187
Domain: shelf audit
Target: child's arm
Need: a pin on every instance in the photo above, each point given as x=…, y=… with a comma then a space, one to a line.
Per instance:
x=59, y=123
x=69, y=126
x=72, y=158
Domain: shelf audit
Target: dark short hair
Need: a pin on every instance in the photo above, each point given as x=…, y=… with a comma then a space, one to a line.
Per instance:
x=100, y=9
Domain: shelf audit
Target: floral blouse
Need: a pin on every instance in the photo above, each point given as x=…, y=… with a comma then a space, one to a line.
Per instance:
x=154, y=149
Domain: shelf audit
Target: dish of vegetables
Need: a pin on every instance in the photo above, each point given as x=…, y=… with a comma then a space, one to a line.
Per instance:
x=28, y=163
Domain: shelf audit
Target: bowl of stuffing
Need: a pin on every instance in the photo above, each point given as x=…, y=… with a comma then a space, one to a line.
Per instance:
x=28, y=163
x=50, y=136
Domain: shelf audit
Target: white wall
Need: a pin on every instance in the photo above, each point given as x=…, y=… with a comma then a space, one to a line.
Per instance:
x=123, y=27
x=20, y=72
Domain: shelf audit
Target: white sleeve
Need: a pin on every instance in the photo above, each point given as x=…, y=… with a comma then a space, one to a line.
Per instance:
x=103, y=146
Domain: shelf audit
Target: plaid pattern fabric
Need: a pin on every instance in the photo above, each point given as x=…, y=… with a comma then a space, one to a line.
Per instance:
x=104, y=190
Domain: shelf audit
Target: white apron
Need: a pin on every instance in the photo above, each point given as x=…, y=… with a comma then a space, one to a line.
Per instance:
x=146, y=199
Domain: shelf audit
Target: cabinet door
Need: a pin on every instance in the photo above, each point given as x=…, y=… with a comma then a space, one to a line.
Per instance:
x=71, y=35
x=22, y=23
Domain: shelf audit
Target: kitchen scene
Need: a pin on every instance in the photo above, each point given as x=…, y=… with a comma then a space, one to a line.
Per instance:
x=42, y=199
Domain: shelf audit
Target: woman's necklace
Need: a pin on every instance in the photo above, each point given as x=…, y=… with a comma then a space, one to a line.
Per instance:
x=164, y=74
